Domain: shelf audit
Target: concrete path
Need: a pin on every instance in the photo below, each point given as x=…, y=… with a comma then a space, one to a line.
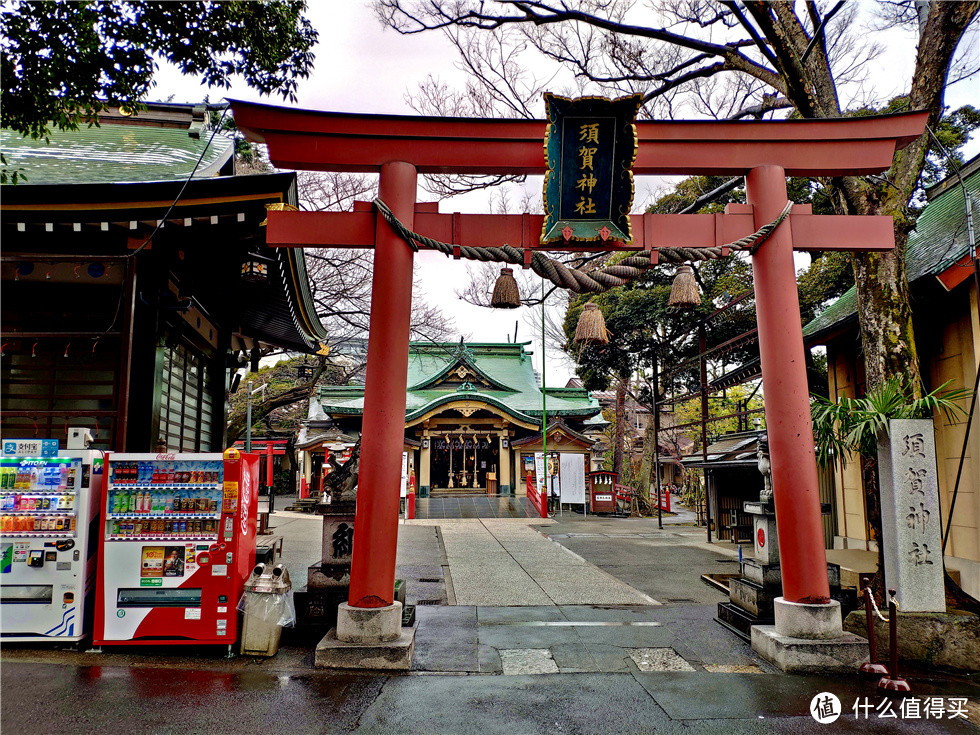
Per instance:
x=504, y=562
x=508, y=667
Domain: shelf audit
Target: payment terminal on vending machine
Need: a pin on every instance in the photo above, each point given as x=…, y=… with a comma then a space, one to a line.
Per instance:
x=176, y=545
x=49, y=506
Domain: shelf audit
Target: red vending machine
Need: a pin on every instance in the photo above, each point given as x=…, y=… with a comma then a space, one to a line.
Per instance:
x=176, y=545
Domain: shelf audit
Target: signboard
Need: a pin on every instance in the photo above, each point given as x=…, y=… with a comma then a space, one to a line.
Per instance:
x=572, y=478
x=539, y=472
x=404, y=491
x=30, y=447
x=590, y=146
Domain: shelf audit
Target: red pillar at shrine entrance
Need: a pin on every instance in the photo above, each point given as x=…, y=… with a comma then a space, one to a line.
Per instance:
x=803, y=560
x=372, y=581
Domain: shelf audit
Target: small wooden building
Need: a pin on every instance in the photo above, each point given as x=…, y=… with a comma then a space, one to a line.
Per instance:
x=134, y=286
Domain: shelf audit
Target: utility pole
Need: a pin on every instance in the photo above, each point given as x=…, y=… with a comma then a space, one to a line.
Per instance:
x=702, y=348
x=656, y=433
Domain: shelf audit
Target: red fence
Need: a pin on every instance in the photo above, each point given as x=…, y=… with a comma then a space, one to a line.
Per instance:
x=539, y=500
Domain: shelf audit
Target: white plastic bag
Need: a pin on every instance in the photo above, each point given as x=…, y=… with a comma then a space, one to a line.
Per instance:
x=277, y=608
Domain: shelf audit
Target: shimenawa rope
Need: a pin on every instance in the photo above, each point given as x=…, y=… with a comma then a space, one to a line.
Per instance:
x=573, y=279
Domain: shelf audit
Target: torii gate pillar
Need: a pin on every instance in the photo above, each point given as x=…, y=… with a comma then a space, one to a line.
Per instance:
x=369, y=629
x=805, y=611
x=802, y=558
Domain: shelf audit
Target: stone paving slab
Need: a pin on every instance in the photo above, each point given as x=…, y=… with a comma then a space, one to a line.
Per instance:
x=527, y=661
x=506, y=562
x=659, y=659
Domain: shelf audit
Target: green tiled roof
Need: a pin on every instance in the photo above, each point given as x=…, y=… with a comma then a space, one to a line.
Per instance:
x=938, y=241
x=113, y=153
x=506, y=366
x=843, y=308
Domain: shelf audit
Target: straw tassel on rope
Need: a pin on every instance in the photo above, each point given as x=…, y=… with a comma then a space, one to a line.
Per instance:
x=684, y=290
x=591, y=327
x=506, y=295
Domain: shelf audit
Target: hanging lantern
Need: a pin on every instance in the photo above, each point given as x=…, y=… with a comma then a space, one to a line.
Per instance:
x=591, y=327
x=255, y=268
x=684, y=291
x=505, y=292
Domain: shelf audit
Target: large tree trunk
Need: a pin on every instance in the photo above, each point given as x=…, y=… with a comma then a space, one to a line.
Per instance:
x=620, y=428
x=884, y=312
x=649, y=463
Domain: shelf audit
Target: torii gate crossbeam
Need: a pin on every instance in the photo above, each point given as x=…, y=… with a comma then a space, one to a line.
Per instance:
x=400, y=147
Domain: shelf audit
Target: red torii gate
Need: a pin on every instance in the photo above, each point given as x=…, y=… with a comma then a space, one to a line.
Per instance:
x=401, y=147
x=270, y=448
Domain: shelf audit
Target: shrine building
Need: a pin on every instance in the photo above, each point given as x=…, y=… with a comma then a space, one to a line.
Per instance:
x=472, y=419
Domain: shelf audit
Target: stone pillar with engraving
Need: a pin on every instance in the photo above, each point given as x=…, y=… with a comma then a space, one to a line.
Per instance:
x=910, y=515
x=328, y=582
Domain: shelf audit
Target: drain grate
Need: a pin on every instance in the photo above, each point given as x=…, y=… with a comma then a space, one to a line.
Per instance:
x=726, y=561
x=679, y=599
x=429, y=579
x=428, y=602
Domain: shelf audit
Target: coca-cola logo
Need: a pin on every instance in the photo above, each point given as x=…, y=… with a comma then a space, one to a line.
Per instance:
x=166, y=457
x=246, y=498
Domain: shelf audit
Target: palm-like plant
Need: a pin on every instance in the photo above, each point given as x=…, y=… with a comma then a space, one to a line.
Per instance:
x=852, y=425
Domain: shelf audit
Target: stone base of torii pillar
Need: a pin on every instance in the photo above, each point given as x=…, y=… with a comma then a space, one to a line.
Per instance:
x=803, y=638
x=809, y=638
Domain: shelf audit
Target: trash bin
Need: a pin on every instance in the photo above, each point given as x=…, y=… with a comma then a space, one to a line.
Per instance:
x=267, y=604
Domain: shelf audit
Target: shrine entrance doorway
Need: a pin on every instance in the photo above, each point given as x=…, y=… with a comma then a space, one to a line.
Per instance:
x=461, y=463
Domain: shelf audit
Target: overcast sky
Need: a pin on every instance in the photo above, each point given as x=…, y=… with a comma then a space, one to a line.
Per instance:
x=363, y=67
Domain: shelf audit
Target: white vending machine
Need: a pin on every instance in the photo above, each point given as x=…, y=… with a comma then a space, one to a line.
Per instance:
x=49, y=506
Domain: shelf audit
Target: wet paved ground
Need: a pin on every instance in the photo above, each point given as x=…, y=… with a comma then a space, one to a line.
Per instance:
x=480, y=667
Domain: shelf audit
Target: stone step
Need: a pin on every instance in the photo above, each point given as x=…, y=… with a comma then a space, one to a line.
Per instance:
x=739, y=621
x=752, y=597
x=458, y=492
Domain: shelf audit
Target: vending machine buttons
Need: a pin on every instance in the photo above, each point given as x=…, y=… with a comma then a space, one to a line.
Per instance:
x=228, y=558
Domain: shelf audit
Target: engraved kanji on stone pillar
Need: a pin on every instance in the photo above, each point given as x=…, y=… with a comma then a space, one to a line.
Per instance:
x=910, y=515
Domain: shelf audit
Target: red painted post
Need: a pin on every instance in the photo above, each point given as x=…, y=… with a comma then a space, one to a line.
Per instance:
x=372, y=581
x=269, y=454
x=802, y=558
